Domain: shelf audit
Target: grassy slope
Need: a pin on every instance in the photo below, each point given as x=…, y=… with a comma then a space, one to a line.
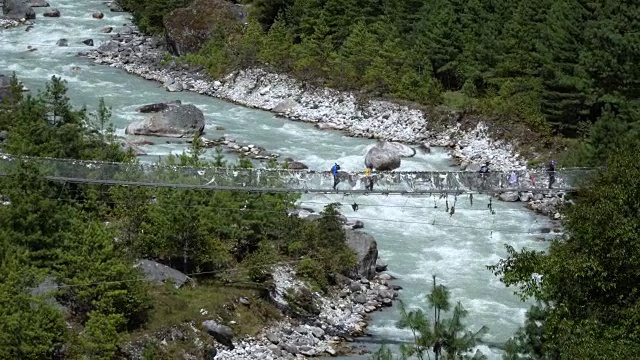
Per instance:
x=177, y=307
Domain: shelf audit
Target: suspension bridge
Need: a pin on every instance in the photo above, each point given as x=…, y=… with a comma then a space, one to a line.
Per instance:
x=296, y=181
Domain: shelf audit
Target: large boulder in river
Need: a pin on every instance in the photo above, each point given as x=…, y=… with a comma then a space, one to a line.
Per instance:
x=174, y=121
x=297, y=165
x=386, y=155
x=366, y=249
x=188, y=29
x=18, y=9
x=51, y=13
x=403, y=150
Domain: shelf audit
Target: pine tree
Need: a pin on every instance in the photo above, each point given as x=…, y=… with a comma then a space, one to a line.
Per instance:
x=520, y=44
x=445, y=338
x=314, y=52
x=482, y=24
x=567, y=87
x=100, y=277
x=356, y=54
x=31, y=327
x=278, y=44
x=250, y=44
x=436, y=43
x=611, y=48
x=34, y=219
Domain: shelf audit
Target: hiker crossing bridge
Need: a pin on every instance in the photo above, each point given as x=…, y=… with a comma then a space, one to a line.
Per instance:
x=295, y=181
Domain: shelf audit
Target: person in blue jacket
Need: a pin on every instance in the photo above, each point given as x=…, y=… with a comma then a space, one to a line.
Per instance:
x=334, y=172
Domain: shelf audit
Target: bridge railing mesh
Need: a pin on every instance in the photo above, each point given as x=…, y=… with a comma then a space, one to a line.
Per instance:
x=302, y=180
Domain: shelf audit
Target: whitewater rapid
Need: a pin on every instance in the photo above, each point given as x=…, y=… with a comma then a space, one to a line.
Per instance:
x=415, y=235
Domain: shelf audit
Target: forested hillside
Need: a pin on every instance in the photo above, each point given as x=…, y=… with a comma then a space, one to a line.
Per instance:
x=555, y=66
x=68, y=285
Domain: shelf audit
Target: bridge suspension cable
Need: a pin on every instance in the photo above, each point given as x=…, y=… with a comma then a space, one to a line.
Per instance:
x=297, y=181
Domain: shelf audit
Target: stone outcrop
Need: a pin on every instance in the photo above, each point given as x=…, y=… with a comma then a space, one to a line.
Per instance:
x=18, y=9
x=366, y=249
x=174, y=121
x=338, y=316
x=221, y=333
x=188, y=29
x=47, y=289
x=247, y=150
x=159, y=273
x=547, y=204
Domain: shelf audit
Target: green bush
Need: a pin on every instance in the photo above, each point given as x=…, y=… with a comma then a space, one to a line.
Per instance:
x=101, y=337
x=313, y=271
x=302, y=302
x=259, y=262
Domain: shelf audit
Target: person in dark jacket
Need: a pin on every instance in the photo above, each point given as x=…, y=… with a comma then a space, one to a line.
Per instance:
x=484, y=175
x=551, y=171
x=484, y=170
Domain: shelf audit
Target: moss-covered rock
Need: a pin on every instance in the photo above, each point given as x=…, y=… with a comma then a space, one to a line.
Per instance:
x=188, y=29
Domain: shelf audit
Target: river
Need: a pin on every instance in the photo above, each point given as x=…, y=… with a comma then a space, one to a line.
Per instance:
x=415, y=238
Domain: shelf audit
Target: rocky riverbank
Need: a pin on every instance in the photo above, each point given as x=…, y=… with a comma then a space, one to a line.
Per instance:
x=328, y=109
x=341, y=317
x=322, y=328
x=313, y=324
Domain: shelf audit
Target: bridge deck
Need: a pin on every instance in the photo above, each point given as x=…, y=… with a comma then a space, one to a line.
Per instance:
x=302, y=181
